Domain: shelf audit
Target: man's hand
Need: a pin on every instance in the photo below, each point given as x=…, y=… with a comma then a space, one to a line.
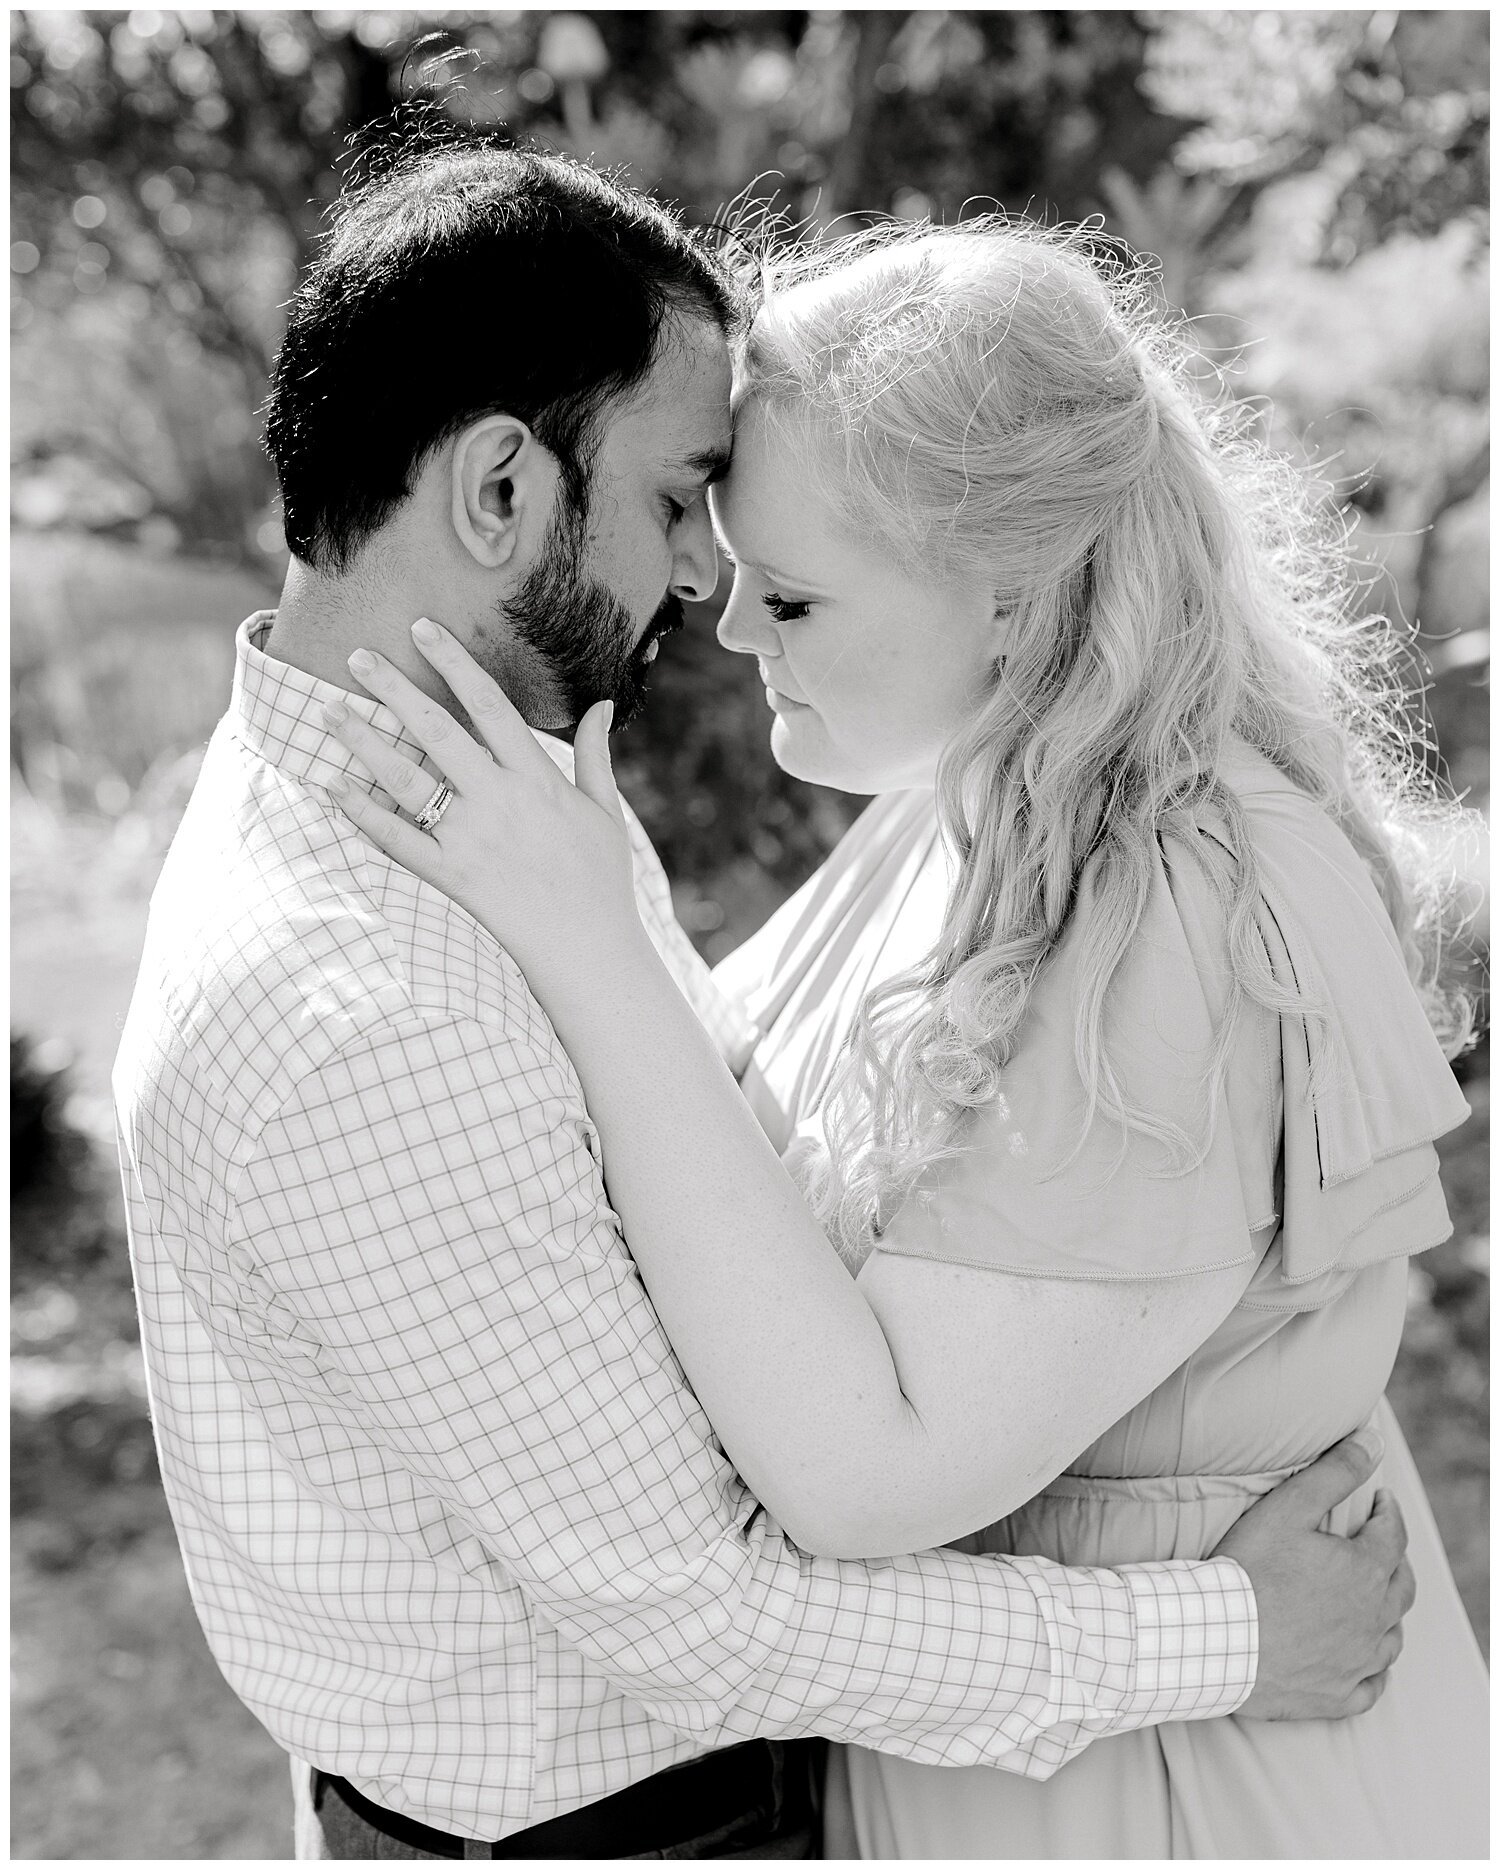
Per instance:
x=1330, y=1609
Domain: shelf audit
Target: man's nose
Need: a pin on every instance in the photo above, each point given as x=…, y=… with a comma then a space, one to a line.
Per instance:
x=695, y=563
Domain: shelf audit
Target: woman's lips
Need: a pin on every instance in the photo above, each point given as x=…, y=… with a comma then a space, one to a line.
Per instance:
x=780, y=702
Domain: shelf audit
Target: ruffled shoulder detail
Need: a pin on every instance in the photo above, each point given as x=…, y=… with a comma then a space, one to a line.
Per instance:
x=1360, y=1175
x=1346, y=1173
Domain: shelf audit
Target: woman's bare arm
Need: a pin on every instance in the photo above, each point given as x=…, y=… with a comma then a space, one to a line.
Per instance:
x=874, y=1416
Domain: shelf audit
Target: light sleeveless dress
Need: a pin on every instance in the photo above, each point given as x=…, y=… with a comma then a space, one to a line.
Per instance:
x=1345, y=1172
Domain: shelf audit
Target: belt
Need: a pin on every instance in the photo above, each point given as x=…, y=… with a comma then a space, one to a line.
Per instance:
x=673, y=1807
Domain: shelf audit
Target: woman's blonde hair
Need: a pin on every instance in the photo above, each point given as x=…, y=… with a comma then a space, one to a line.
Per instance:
x=1004, y=400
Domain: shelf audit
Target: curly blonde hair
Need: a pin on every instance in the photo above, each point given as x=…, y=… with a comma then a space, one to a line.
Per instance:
x=1007, y=400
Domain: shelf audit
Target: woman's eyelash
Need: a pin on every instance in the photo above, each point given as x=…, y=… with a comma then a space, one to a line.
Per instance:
x=784, y=609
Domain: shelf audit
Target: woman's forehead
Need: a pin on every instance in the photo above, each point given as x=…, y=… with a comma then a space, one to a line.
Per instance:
x=765, y=456
x=772, y=501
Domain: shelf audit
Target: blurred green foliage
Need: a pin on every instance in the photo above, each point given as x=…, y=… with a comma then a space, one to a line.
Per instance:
x=170, y=172
x=177, y=165
x=1314, y=186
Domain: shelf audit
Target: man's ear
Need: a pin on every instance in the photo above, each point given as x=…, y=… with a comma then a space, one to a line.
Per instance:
x=504, y=483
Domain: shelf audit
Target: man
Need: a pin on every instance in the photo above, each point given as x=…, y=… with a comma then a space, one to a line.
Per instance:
x=457, y=1530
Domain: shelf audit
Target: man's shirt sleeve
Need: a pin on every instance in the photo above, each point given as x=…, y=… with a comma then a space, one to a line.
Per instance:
x=433, y=1307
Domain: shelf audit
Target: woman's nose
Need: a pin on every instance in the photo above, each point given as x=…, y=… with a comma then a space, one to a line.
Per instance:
x=746, y=627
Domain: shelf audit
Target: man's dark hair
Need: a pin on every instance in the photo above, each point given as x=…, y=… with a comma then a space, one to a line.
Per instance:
x=458, y=282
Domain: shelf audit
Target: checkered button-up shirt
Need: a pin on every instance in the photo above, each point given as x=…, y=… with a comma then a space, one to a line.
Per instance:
x=454, y=1523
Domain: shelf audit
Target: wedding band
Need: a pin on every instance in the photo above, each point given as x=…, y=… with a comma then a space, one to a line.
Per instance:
x=433, y=810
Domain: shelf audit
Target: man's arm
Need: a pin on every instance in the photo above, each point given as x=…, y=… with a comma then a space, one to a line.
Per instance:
x=427, y=1264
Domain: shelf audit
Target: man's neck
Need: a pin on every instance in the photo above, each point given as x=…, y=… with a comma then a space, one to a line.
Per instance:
x=320, y=622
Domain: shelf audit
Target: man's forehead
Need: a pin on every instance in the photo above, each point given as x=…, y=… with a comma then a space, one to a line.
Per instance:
x=680, y=412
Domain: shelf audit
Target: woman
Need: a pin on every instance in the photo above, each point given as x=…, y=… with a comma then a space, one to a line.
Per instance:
x=1103, y=1047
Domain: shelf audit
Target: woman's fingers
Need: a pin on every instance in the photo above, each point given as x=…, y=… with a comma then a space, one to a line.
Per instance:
x=592, y=771
x=455, y=754
x=486, y=703
x=386, y=831
x=406, y=782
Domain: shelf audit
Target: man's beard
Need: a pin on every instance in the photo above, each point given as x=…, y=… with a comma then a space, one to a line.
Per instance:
x=580, y=629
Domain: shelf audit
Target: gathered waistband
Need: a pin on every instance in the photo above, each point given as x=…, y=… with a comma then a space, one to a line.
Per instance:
x=1087, y=1519
x=1165, y=1489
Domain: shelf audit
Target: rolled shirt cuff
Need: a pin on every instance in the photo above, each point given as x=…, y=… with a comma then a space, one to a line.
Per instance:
x=1197, y=1639
x=1165, y=1640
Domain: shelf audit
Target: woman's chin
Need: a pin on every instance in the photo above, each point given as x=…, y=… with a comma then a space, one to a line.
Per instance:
x=807, y=755
x=802, y=749
x=791, y=750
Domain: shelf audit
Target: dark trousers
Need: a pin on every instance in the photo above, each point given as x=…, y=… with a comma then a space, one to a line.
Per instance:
x=760, y=1799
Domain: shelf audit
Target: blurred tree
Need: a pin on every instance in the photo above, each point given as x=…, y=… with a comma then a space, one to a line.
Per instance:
x=1333, y=196
x=1392, y=108
x=179, y=163
x=171, y=170
x=173, y=167
x=171, y=137
x=1394, y=104
x=170, y=173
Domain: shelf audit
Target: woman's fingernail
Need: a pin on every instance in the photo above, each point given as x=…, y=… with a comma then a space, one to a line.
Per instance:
x=426, y=631
x=335, y=711
x=609, y=715
x=362, y=662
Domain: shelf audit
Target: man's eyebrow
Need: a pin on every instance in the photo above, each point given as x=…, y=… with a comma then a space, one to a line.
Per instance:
x=707, y=464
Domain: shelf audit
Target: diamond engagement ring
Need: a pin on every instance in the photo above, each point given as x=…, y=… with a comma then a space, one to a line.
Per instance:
x=432, y=811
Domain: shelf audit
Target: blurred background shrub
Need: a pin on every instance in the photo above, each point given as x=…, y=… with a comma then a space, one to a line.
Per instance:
x=1314, y=186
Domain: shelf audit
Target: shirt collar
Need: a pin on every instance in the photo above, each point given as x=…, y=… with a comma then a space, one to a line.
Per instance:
x=278, y=713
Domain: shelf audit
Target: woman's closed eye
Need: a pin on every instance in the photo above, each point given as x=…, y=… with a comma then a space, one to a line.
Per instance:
x=785, y=609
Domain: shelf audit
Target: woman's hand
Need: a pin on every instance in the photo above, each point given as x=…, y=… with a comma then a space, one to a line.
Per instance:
x=544, y=865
